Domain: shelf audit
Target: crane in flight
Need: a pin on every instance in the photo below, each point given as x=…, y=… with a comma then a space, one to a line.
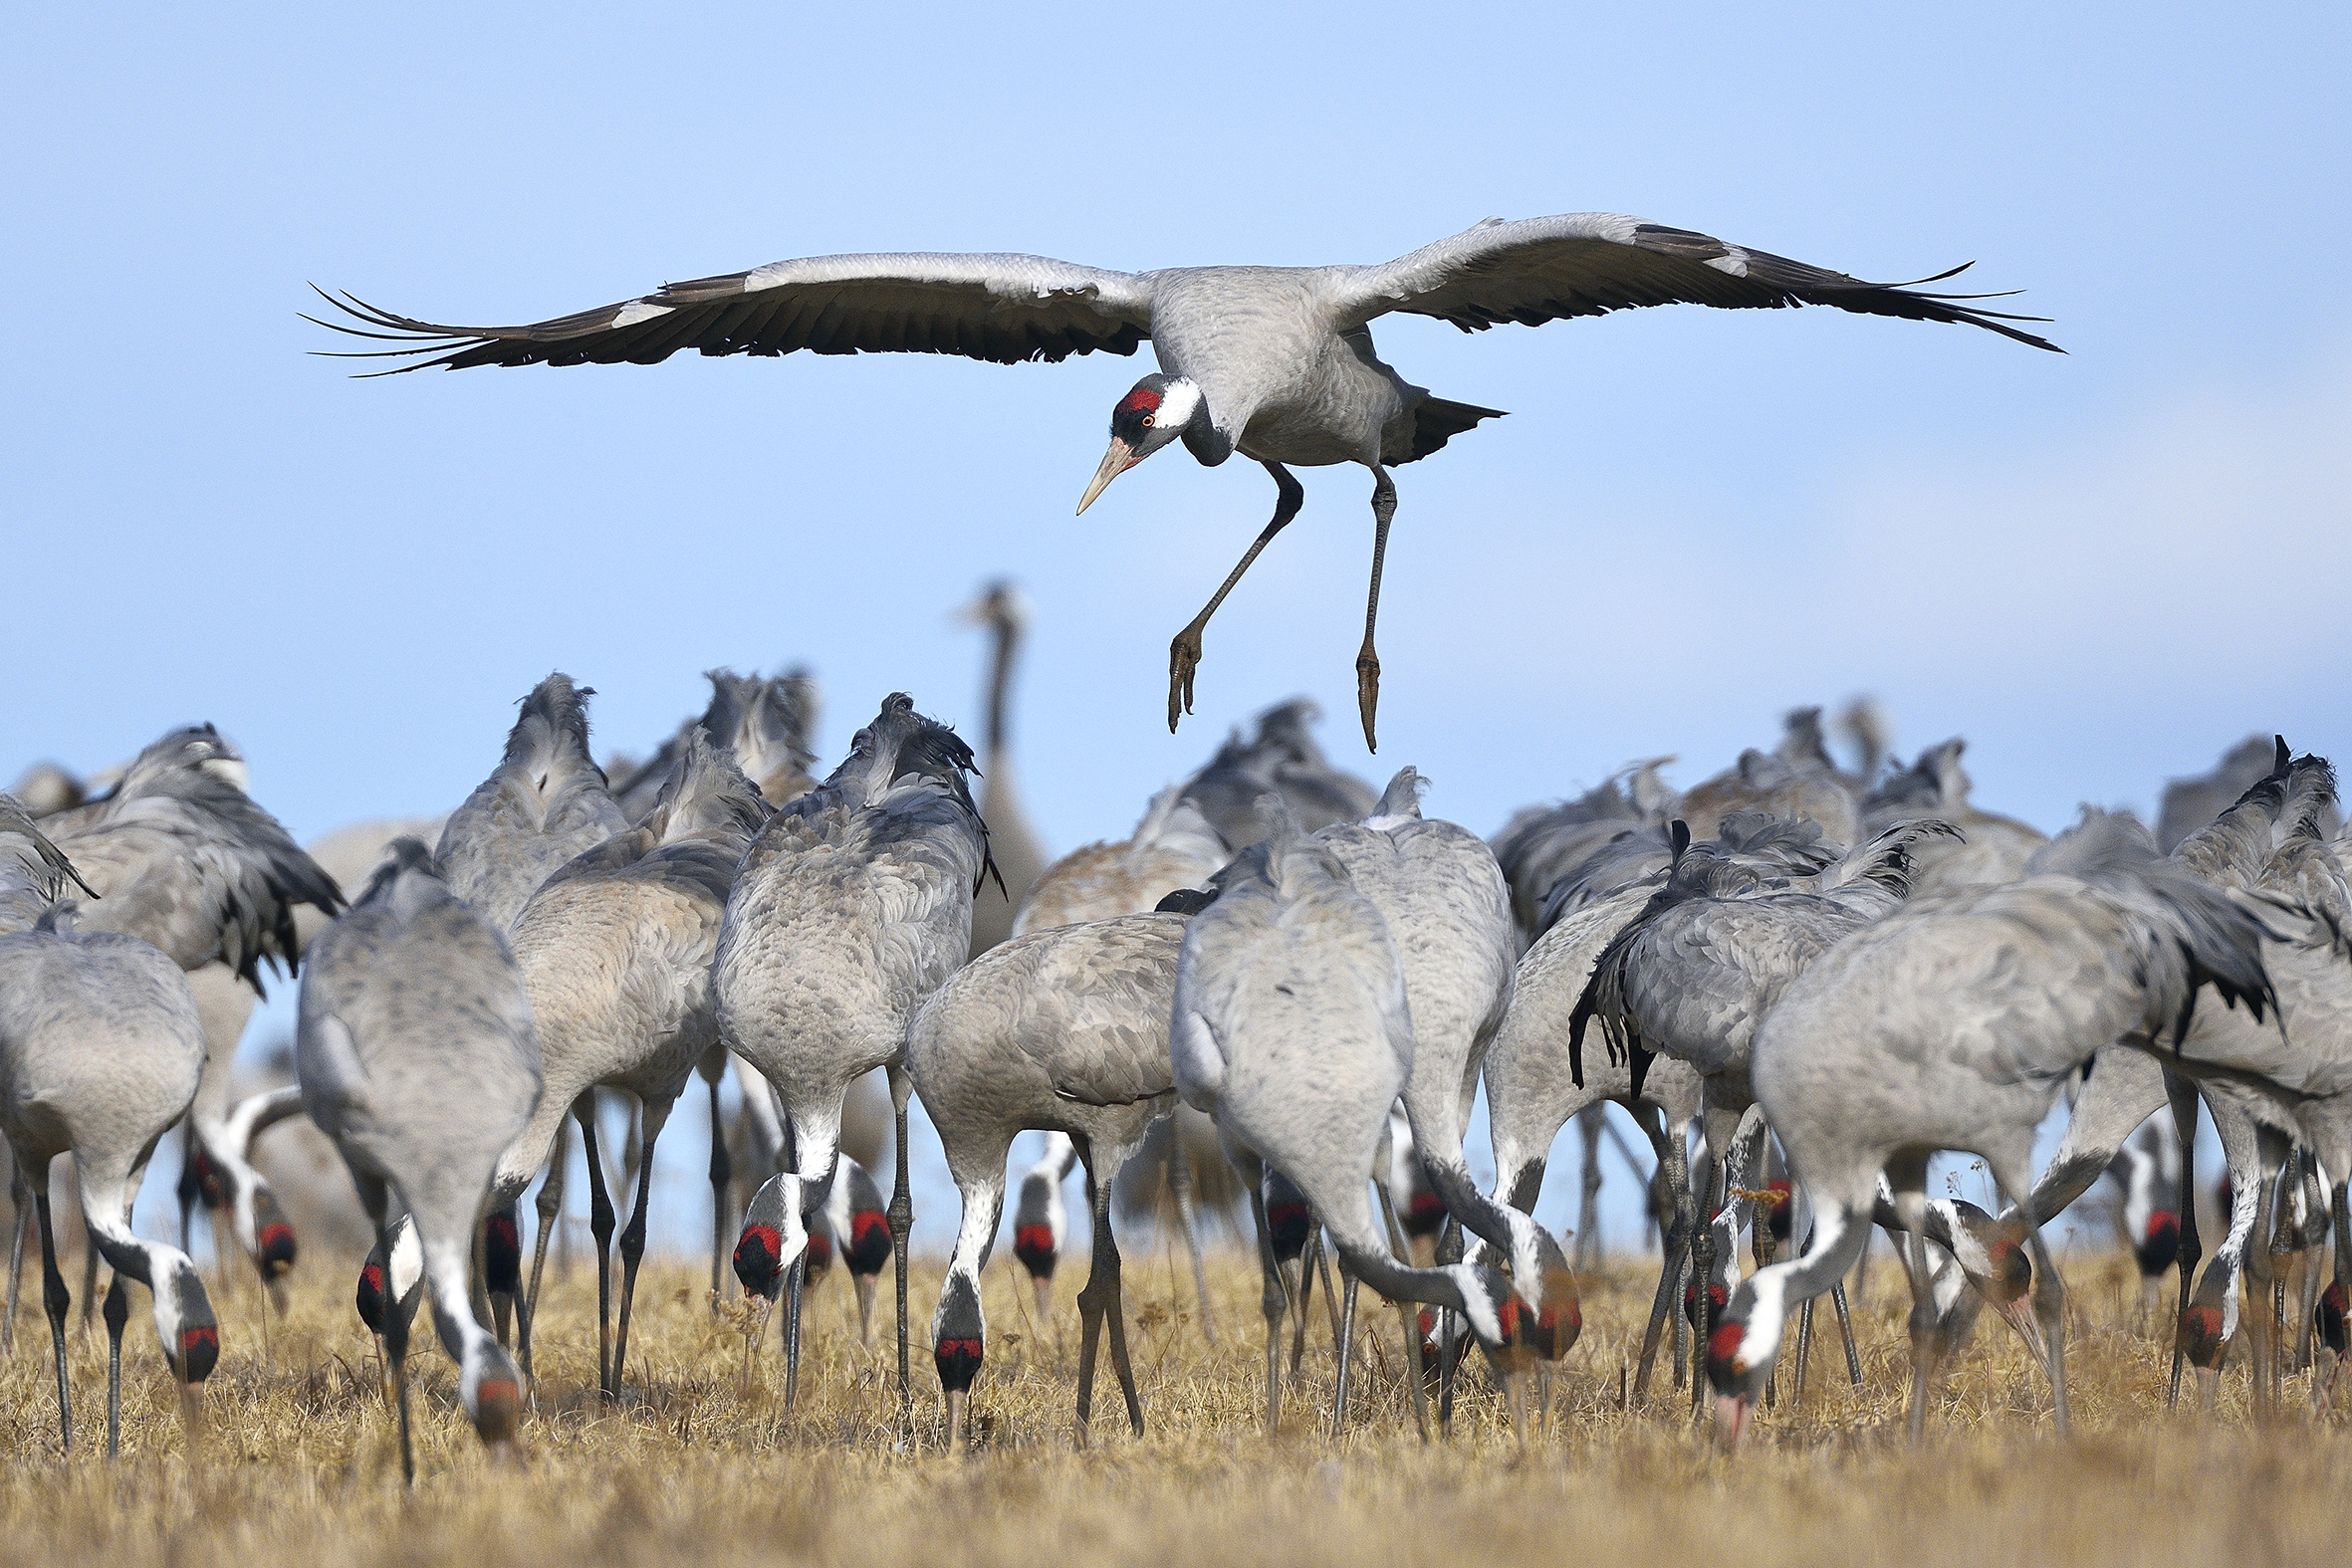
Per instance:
x=1275, y=363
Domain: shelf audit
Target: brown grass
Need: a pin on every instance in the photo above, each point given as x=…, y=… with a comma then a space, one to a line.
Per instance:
x=300, y=1464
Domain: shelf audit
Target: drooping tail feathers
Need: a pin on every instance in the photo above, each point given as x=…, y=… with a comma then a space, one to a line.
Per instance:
x=1887, y=863
x=2191, y=932
x=705, y=794
x=1402, y=798
x=1437, y=421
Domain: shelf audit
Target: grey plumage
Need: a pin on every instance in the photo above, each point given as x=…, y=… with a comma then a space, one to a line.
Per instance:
x=417, y=1055
x=101, y=1051
x=2190, y=803
x=852, y=904
x=615, y=950
x=1282, y=757
x=1794, y=782
x=1292, y=1030
x=1275, y=363
x=1065, y=1029
x=545, y=803
x=1541, y=845
x=183, y=859
x=34, y=872
x=766, y=720
x=1989, y=847
x=1442, y=896
x=1953, y=1023
x=1012, y=840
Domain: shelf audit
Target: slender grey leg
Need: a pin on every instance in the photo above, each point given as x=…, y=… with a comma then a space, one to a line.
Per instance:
x=1184, y=654
x=901, y=1215
x=633, y=1247
x=1179, y=1188
x=19, y=1202
x=721, y=1181
x=600, y=1226
x=117, y=1313
x=1367, y=660
x=1407, y=1316
x=56, y=1299
x=551, y=1215
x=1346, y=1338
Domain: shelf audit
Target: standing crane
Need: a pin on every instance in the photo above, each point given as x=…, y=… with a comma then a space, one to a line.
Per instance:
x=852, y=904
x=1004, y=610
x=1292, y=1029
x=1063, y=1029
x=101, y=1051
x=1952, y=1025
x=616, y=952
x=1275, y=363
x=416, y=1056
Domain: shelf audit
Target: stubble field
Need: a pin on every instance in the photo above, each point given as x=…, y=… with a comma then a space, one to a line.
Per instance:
x=299, y=1462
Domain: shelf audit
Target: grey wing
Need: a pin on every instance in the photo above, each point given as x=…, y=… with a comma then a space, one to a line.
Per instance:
x=33, y=871
x=1539, y=270
x=1703, y=975
x=200, y=884
x=999, y=307
x=1113, y=983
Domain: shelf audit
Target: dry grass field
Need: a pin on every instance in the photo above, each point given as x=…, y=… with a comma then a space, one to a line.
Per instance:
x=300, y=1465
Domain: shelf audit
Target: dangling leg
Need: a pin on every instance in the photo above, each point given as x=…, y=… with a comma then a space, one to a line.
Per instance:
x=600, y=1226
x=901, y=1216
x=56, y=1299
x=1179, y=1188
x=722, y=1180
x=1367, y=661
x=632, y=1240
x=1184, y=654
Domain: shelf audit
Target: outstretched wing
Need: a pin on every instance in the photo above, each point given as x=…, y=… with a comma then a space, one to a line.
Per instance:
x=998, y=307
x=1539, y=270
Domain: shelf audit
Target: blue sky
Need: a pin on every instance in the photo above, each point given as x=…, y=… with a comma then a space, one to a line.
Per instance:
x=2100, y=568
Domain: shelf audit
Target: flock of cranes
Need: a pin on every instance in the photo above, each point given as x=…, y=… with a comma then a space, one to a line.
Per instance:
x=1832, y=973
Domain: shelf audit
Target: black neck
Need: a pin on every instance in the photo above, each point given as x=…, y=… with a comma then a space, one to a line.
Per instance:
x=1000, y=682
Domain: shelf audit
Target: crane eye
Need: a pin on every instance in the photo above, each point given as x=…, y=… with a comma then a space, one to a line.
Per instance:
x=1147, y=421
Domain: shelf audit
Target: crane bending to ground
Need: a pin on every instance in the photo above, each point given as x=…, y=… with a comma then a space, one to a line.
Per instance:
x=1275, y=363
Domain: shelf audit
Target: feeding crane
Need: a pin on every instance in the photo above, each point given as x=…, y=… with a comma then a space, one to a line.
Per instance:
x=1275, y=363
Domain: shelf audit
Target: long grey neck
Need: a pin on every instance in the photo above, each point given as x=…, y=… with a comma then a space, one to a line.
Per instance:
x=1350, y=1224
x=1000, y=684
x=1209, y=444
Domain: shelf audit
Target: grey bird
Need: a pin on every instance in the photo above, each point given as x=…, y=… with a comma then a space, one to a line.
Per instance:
x=1282, y=757
x=545, y=803
x=1275, y=363
x=34, y=872
x=766, y=720
x=1953, y=1024
x=418, y=1057
x=182, y=858
x=1173, y=849
x=2190, y=803
x=1012, y=840
x=1541, y=845
x=852, y=904
x=1990, y=847
x=1442, y=896
x=1292, y=1030
x=101, y=1051
x=615, y=952
x=1694, y=973
x=1065, y=1029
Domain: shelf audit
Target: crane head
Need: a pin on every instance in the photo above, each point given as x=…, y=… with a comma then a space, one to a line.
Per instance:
x=1155, y=411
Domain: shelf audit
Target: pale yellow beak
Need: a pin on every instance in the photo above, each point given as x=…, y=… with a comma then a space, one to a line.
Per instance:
x=1115, y=462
